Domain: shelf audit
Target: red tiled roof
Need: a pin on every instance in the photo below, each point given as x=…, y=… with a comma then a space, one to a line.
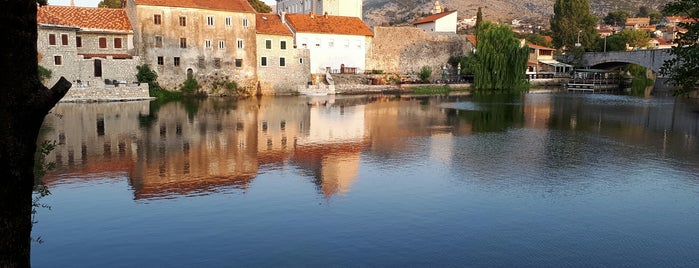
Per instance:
x=328, y=24
x=472, y=39
x=271, y=24
x=224, y=5
x=539, y=47
x=84, y=17
x=433, y=18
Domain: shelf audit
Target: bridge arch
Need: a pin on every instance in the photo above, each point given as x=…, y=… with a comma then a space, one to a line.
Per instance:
x=652, y=59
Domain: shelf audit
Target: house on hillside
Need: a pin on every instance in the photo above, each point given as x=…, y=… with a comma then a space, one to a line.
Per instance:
x=673, y=21
x=86, y=45
x=348, y=8
x=637, y=23
x=280, y=66
x=541, y=63
x=444, y=22
x=336, y=44
x=210, y=40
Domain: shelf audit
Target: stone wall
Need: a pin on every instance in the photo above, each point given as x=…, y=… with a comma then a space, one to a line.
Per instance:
x=405, y=50
x=121, y=92
x=281, y=80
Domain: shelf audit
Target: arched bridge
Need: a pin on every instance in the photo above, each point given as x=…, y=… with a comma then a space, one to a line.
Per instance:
x=651, y=58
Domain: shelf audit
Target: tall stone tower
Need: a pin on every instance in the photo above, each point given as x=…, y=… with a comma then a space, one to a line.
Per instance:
x=437, y=8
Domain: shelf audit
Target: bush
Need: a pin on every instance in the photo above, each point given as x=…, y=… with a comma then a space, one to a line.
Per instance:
x=44, y=74
x=425, y=73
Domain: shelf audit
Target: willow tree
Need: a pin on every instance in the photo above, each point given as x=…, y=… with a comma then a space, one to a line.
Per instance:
x=501, y=60
x=573, y=23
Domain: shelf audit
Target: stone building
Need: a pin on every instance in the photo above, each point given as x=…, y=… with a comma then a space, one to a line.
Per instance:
x=86, y=45
x=280, y=66
x=348, y=8
x=210, y=40
x=444, y=22
x=336, y=44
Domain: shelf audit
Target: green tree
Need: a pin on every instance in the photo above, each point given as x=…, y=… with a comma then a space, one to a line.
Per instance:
x=24, y=102
x=110, y=3
x=614, y=42
x=534, y=38
x=655, y=17
x=425, y=73
x=258, y=5
x=683, y=69
x=636, y=38
x=479, y=18
x=501, y=60
x=643, y=11
x=573, y=22
x=616, y=18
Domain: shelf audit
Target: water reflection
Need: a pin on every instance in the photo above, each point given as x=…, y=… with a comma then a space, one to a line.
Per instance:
x=220, y=145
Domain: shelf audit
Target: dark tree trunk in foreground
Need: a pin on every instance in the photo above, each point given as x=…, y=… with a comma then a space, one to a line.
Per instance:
x=24, y=102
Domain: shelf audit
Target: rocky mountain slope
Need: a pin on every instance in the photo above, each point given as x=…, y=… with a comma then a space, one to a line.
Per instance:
x=377, y=12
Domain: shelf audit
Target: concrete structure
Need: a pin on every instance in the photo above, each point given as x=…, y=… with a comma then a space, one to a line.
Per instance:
x=212, y=40
x=86, y=45
x=444, y=22
x=334, y=43
x=541, y=63
x=405, y=50
x=280, y=66
x=652, y=59
x=348, y=8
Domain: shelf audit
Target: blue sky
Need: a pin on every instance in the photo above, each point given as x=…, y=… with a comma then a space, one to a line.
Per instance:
x=93, y=3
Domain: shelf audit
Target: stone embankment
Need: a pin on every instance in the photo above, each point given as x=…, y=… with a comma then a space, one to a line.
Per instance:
x=100, y=93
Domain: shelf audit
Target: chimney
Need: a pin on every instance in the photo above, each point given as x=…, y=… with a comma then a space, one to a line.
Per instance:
x=283, y=17
x=325, y=15
x=313, y=15
x=72, y=3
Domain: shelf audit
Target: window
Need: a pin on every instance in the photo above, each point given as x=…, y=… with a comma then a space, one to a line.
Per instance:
x=238, y=62
x=217, y=63
x=201, y=62
x=210, y=20
x=346, y=43
x=64, y=39
x=207, y=44
x=282, y=62
x=58, y=60
x=317, y=42
x=268, y=44
x=221, y=44
x=240, y=43
x=331, y=43
x=103, y=42
x=263, y=61
x=228, y=21
x=117, y=42
x=157, y=20
x=282, y=45
x=183, y=21
x=359, y=44
x=161, y=61
x=245, y=22
x=176, y=61
x=52, y=39
x=158, y=41
x=183, y=42
x=301, y=60
x=79, y=41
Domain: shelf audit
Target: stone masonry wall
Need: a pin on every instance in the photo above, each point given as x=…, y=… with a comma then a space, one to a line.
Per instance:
x=281, y=80
x=405, y=50
x=122, y=92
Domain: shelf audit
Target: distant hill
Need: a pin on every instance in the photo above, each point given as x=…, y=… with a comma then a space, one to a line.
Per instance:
x=377, y=12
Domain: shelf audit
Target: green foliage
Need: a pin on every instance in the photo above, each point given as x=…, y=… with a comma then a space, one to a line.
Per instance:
x=643, y=11
x=227, y=87
x=44, y=74
x=615, y=42
x=40, y=165
x=655, y=17
x=147, y=75
x=468, y=63
x=573, y=21
x=435, y=90
x=479, y=18
x=425, y=73
x=259, y=6
x=501, y=62
x=636, y=38
x=683, y=70
x=110, y=3
x=190, y=86
x=534, y=38
x=616, y=18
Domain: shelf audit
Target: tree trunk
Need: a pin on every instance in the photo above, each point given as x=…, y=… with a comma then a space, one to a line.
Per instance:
x=24, y=102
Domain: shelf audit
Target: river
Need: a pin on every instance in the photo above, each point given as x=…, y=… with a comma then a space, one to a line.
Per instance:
x=540, y=180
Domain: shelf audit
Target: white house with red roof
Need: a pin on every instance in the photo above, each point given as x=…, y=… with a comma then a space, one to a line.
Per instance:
x=444, y=22
x=213, y=41
x=335, y=44
x=87, y=46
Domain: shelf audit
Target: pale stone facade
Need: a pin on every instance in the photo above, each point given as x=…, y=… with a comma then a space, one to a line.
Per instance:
x=212, y=45
x=445, y=22
x=348, y=8
x=405, y=50
x=281, y=70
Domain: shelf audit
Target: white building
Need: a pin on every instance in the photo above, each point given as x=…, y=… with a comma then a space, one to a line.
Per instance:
x=444, y=22
x=335, y=43
x=349, y=8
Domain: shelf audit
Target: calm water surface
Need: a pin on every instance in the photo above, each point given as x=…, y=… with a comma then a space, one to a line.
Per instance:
x=533, y=181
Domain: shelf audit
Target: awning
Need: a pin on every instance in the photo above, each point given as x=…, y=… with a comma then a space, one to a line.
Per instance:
x=555, y=63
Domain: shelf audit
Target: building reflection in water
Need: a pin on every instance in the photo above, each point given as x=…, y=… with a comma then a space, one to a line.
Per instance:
x=195, y=148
